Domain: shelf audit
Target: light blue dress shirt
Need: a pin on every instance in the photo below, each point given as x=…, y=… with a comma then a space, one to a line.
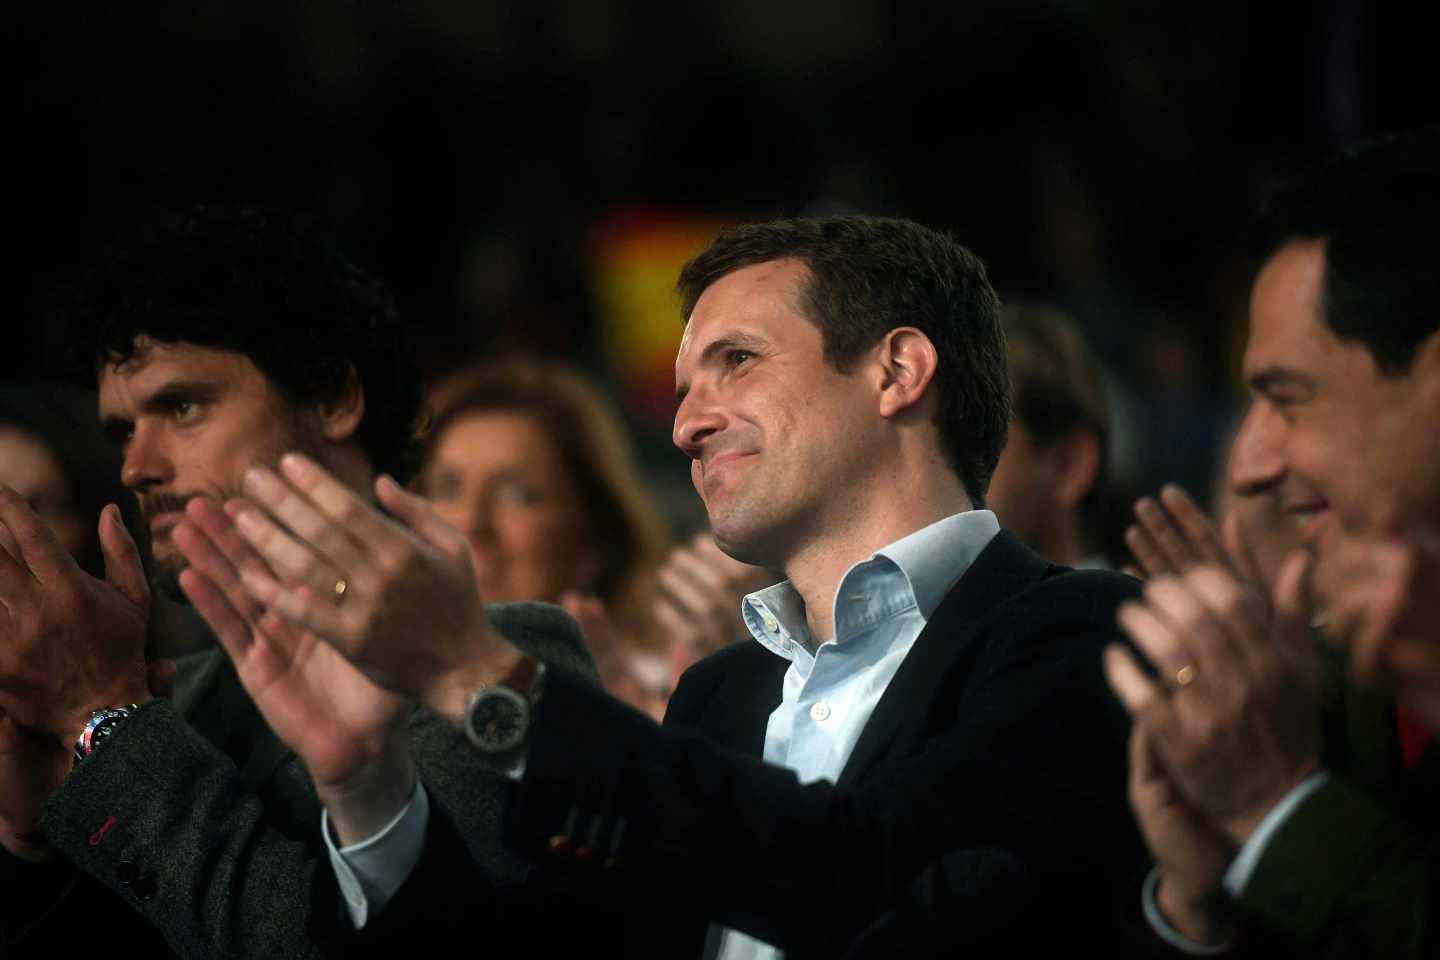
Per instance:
x=831, y=689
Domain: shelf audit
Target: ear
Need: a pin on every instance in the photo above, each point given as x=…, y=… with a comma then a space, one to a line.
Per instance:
x=1077, y=467
x=340, y=416
x=907, y=362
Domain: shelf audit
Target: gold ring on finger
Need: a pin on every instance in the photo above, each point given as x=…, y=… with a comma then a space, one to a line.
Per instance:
x=1185, y=675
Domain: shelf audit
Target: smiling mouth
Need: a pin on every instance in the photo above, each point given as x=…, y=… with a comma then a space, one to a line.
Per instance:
x=721, y=459
x=1310, y=520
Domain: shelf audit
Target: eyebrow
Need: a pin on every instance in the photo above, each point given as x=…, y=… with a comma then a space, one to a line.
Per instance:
x=1269, y=379
x=161, y=398
x=713, y=349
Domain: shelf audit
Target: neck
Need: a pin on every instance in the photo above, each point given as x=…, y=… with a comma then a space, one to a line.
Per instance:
x=351, y=467
x=1060, y=542
x=864, y=524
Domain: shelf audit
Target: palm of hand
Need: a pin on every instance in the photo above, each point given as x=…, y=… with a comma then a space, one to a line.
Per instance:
x=1188, y=849
x=333, y=716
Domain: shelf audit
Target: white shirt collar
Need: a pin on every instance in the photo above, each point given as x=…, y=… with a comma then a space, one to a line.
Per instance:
x=927, y=564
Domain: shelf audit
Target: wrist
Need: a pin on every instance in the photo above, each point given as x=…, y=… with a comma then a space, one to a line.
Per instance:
x=447, y=697
x=32, y=848
x=72, y=729
x=366, y=800
x=1241, y=826
x=1201, y=918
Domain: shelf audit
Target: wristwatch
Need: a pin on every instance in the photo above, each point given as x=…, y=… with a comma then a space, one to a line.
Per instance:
x=102, y=724
x=497, y=716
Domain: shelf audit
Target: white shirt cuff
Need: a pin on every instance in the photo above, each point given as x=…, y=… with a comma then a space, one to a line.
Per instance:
x=371, y=871
x=1243, y=866
x=1162, y=927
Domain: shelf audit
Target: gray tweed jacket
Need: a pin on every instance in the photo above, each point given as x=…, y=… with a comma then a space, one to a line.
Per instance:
x=206, y=828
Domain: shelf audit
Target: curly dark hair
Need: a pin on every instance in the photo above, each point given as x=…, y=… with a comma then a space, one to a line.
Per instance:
x=869, y=275
x=1376, y=208
x=258, y=283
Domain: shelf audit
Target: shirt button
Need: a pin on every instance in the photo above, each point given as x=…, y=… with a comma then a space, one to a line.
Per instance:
x=771, y=623
x=819, y=711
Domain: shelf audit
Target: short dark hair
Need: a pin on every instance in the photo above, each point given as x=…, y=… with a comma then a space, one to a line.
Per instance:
x=869, y=275
x=262, y=284
x=1377, y=209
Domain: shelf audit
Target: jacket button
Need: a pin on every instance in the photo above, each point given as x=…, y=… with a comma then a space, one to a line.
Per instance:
x=126, y=871
x=144, y=887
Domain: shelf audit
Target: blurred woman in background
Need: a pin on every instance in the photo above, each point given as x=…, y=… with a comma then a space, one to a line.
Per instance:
x=531, y=462
x=52, y=454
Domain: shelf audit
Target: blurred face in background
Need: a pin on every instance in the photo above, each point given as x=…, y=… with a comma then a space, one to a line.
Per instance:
x=497, y=477
x=29, y=468
x=1022, y=488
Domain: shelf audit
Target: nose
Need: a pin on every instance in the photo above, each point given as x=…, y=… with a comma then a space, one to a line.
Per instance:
x=470, y=515
x=147, y=464
x=1257, y=462
x=696, y=419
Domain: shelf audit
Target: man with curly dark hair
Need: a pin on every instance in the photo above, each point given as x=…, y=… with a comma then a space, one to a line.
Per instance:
x=221, y=338
x=255, y=290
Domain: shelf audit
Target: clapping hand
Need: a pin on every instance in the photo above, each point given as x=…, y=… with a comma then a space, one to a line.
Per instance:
x=395, y=598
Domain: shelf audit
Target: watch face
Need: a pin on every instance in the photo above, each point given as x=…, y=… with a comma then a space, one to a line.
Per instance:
x=498, y=719
x=102, y=725
x=103, y=729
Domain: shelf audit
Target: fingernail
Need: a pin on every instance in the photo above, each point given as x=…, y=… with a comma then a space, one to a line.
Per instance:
x=248, y=520
x=258, y=480
x=297, y=466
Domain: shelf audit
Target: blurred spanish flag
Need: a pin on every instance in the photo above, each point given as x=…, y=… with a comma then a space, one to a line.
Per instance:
x=636, y=254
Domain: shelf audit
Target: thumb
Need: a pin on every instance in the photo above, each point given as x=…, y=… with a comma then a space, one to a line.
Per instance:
x=122, y=559
x=1292, y=604
x=416, y=513
x=1242, y=557
x=1142, y=762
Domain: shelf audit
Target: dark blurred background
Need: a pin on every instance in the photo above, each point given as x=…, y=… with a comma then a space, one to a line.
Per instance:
x=527, y=175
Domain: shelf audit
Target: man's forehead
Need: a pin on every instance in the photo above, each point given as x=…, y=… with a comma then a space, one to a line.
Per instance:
x=1285, y=303
x=152, y=364
x=684, y=340
x=149, y=354
x=747, y=296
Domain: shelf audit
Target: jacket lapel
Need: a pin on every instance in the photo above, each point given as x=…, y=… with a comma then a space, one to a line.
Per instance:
x=210, y=697
x=1001, y=570
x=746, y=693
